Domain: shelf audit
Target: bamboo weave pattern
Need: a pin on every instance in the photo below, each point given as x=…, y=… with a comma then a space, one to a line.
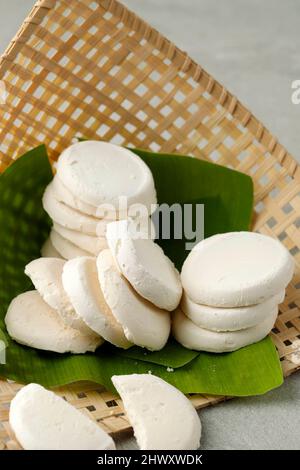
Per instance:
x=94, y=69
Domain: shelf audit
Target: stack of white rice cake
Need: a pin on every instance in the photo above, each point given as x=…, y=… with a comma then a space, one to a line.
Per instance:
x=116, y=284
x=233, y=284
x=123, y=296
x=125, y=293
x=95, y=183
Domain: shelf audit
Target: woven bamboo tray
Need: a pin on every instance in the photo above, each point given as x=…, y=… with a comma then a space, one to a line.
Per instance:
x=93, y=68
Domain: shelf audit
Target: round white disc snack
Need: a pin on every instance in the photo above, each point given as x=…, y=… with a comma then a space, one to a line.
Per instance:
x=80, y=281
x=89, y=243
x=66, y=216
x=46, y=276
x=66, y=248
x=192, y=336
x=229, y=319
x=48, y=250
x=42, y=420
x=62, y=194
x=144, y=324
x=100, y=172
x=30, y=321
x=144, y=264
x=236, y=269
x=161, y=416
x=104, y=211
x=142, y=228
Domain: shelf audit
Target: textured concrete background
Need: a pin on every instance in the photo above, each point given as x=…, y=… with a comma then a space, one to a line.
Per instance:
x=252, y=47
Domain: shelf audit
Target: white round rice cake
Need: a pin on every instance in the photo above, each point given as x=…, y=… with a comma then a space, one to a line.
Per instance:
x=46, y=276
x=48, y=250
x=89, y=243
x=194, y=337
x=226, y=318
x=66, y=248
x=236, y=269
x=144, y=324
x=163, y=418
x=100, y=172
x=104, y=211
x=66, y=216
x=62, y=194
x=42, y=420
x=143, y=263
x=80, y=281
x=30, y=321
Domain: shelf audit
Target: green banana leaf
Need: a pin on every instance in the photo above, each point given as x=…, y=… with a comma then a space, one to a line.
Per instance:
x=228, y=199
x=250, y=371
x=173, y=355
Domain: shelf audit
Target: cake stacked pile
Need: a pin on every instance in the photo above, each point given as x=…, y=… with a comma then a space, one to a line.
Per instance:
x=233, y=284
x=123, y=296
x=95, y=183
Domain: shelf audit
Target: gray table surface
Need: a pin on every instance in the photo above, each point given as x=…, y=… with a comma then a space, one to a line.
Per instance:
x=253, y=48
